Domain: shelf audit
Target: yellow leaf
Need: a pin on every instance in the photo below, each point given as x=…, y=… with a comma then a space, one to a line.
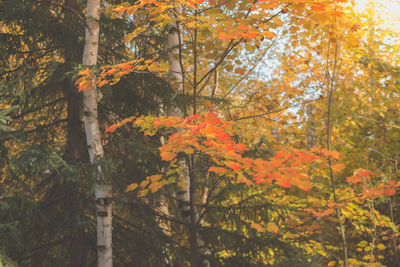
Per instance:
x=381, y=246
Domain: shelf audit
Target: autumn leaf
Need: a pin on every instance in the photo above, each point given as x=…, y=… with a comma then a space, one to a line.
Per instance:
x=112, y=128
x=318, y=6
x=131, y=187
x=272, y=227
x=243, y=179
x=284, y=182
x=338, y=167
x=233, y=165
x=217, y=169
x=258, y=227
x=268, y=34
x=354, y=179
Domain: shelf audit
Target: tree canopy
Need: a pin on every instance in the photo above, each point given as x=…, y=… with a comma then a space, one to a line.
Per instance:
x=232, y=133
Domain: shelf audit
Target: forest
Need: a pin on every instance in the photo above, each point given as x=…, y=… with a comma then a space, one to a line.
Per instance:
x=151, y=133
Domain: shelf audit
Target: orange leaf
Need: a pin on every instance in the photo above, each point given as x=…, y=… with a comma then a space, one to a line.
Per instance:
x=318, y=6
x=250, y=34
x=85, y=72
x=336, y=13
x=112, y=128
x=269, y=34
x=225, y=36
x=131, y=187
x=240, y=147
x=119, y=10
x=363, y=173
x=338, y=167
x=353, y=179
x=167, y=156
x=217, y=169
x=284, y=182
x=102, y=83
x=389, y=192
x=272, y=227
x=233, y=165
x=244, y=180
x=258, y=227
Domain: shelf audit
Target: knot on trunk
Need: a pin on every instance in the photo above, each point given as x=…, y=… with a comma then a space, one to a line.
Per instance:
x=104, y=201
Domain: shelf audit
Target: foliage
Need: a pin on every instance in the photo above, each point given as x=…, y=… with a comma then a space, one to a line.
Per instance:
x=290, y=130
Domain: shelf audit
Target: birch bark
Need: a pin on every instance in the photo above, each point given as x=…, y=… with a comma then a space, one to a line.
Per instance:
x=103, y=191
x=185, y=194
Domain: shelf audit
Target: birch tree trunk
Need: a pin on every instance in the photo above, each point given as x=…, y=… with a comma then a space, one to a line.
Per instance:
x=185, y=193
x=103, y=191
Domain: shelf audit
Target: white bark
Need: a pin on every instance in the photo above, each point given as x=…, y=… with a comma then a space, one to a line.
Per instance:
x=175, y=33
x=175, y=40
x=103, y=191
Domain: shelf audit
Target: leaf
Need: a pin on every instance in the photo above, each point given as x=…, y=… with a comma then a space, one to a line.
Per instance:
x=318, y=7
x=284, y=182
x=353, y=179
x=338, y=167
x=243, y=179
x=268, y=34
x=272, y=227
x=119, y=10
x=381, y=246
x=258, y=227
x=131, y=187
x=233, y=165
x=217, y=169
x=112, y=128
x=225, y=36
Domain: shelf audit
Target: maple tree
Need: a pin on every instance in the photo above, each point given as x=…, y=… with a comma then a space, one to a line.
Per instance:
x=282, y=115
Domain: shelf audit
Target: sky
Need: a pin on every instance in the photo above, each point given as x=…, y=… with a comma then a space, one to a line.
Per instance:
x=389, y=10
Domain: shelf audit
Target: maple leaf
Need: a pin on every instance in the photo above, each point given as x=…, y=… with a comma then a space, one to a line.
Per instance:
x=250, y=34
x=318, y=6
x=258, y=227
x=112, y=128
x=363, y=173
x=338, y=167
x=240, y=147
x=354, y=179
x=131, y=187
x=119, y=10
x=336, y=13
x=217, y=169
x=167, y=156
x=389, y=192
x=268, y=34
x=320, y=213
x=225, y=36
x=272, y=227
x=284, y=182
x=243, y=179
x=233, y=165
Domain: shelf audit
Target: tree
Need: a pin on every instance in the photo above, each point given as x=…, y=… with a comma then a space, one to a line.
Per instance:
x=103, y=190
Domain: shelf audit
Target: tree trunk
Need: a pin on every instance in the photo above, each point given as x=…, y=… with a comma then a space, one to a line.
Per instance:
x=103, y=191
x=186, y=191
x=74, y=152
